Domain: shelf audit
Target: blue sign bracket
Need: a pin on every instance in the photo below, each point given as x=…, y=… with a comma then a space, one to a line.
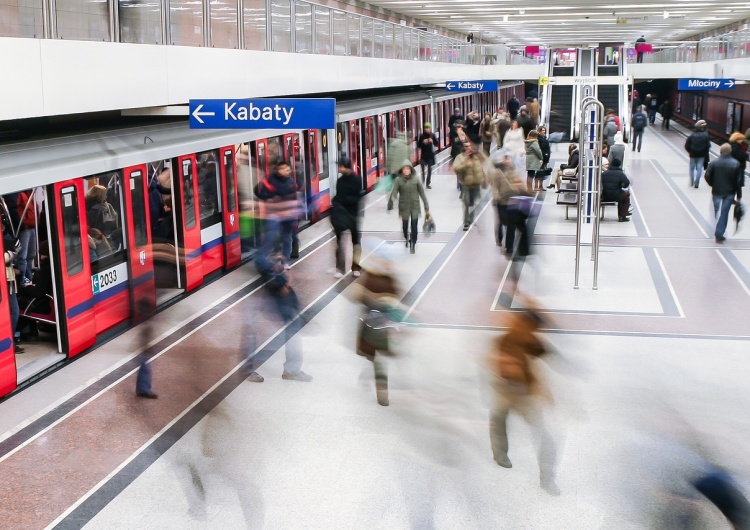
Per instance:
x=272, y=113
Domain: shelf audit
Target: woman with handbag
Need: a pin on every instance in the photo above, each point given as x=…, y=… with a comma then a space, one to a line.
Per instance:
x=534, y=159
x=409, y=190
x=569, y=169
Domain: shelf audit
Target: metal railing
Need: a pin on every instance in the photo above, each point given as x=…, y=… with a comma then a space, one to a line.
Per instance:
x=732, y=45
x=295, y=26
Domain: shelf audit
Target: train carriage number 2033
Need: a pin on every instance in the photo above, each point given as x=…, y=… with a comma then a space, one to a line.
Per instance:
x=109, y=278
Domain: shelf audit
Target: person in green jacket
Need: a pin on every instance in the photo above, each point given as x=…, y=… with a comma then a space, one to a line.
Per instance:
x=398, y=151
x=409, y=191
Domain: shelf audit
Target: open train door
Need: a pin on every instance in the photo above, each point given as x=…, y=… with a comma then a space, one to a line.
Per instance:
x=231, y=214
x=70, y=230
x=186, y=187
x=8, y=378
x=140, y=253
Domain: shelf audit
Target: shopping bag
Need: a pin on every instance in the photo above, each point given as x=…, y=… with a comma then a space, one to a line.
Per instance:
x=384, y=184
x=429, y=225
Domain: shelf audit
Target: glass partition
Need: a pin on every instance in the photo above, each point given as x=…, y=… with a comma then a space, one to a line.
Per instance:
x=281, y=29
x=322, y=30
x=303, y=27
x=82, y=20
x=140, y=22
x=339, y=33
x=367, y=30
x=186, y=23
x=21, y=18
x=388, y=41
x=398, y=41
x=254, y=24
x=377, y=38
x=224, y=33
x=353, y=29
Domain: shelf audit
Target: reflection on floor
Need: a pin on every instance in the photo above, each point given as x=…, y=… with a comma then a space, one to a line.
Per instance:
x=165, y=295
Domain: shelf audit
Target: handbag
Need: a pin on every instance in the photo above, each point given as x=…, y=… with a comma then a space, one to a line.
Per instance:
x=570, y=172
x=428, y=227
x=543, y=173
x=525, y=204
x=384, y=184
x=375, y=330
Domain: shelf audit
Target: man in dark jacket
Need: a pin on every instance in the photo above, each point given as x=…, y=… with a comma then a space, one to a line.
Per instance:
x=666, y=114
x=472, y=127
x=614, y=182
x=281, y=210
x=426, y=144
x=345, y=213
x=524, y=121
x=638, y=42
x=512, y=106
x=726, y=181
x=697, y=145
x=639, y=123
x=452, y=132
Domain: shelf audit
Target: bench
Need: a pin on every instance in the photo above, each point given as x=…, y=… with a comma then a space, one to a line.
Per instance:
x=567, y=199
x=603, y=205
x=49, y=318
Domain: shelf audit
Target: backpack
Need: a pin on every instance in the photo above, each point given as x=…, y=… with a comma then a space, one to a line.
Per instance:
x=108, y=217
x=654, y=103
x=640, y=122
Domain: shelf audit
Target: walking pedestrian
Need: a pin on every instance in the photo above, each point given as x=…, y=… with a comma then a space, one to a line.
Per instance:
x=409, y=191
x=146, y=334
x=666, y=111
x=726, y=181
x=468, y=168
x=640, y=122
x=639, y=44
x=345, y=213
x=697, y=145
x=485, y=133
x=426, y=143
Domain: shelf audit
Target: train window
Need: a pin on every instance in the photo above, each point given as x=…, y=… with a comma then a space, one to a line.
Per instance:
x=322, y=154
x=71, y=228
x=104, y=214
x=229, y=172
x=139, y=208
x=187, y=193
x=208, y=187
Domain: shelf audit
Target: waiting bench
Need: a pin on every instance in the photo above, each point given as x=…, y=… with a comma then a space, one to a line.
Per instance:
x=46, y=318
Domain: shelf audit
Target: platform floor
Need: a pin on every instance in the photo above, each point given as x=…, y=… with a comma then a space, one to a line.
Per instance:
x=659, y=349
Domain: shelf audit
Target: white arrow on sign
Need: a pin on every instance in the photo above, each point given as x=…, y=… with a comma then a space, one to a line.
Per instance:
x=197, y=113
x=449, y=86
x=730, y=83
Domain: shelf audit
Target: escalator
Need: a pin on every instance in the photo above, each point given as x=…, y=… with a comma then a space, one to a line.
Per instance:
x=561, y=104
x=609, y=95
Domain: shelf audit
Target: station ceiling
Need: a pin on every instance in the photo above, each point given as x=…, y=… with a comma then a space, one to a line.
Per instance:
x=573, y=22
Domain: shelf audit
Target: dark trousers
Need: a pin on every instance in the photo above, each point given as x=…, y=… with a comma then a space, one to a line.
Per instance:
x=143, y=381
x=652, y=116
x=510, y=231
x=414, y=229
x=429, y=164
x=637, y=139
x=517, y=221
x=665, y=122
x=640, y=57
x=356, y=238
x=623, y=205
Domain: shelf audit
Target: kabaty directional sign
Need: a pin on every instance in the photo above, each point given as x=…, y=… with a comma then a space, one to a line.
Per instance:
x=472, y=86
x=705, y=84
x=272, y=113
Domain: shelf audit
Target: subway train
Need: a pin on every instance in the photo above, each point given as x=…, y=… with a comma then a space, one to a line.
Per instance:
x=152, y=213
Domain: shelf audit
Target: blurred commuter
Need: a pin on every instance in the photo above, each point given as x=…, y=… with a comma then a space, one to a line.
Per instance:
x=452, y=132
x=345, y=212
x=639, y=42
x=525, y=122
x=517, y=388
x=426, y=144
x=457, y=144
x=532, y=107
x=698, y=145
x=378, y=293
x=544, y=145
x=471, y=127
x=506, y=183
x=653, y=106
x=397, y=152
x=610, y=129
x=639, y=123
x=156, y=194
x=146, y=335
x=573, y=159
x=617, y=150
x=485, y=133
x=409, y=190
x=534, y=159
x=40, y=290
x=666, y=110
x=512, y=107
x=469, y=170
x=279, y=195
x=514, y=139
x=27, y=235
x=501, y=127
x=739, y=150
x=614, y=184
x=726, y=180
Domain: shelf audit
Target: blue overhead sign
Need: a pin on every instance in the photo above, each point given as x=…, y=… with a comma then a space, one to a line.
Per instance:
x=705, y=84
x=272, y=113
x=472, y=86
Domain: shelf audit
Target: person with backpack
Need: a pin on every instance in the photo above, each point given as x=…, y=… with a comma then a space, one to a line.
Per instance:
x=653, y=106
x=697, y=145
x=640, y=122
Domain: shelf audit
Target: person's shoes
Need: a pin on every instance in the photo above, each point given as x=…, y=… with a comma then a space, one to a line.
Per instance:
x=299, y=376
x=338, y=275
x=550, y=486
x=255, y=377
x=295, y=250
x=147, y=395
x=503, y=461
x=287, y=267
x=639, y=149
x=25, y=281
x=551, y=186
x=429, y=187
x=696, y=186
x=18, y=349
x=720, y=239
x=466, y=226
x=624, y=219
x=382, y=396
x=413, y=248
x=356, y=274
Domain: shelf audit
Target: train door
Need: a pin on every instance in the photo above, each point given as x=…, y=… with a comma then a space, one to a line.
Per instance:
x=138, y=232
x=382, y=140
x=369, y=152
x=391, y=125
x=8, y=380
x=231, y=213
x=354, y=143
x=186, y=191
x=210, y=206
x=77, y=317
x=323, y=203
x=402, y=120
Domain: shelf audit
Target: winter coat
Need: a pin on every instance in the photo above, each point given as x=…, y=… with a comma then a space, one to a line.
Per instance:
x=610, y=129
x=512, y=107
x=698, y=144
x=279, y=196
x=666, y=110
x=398, y=151
x=346, y=203
x=469, y=169
x=613, y=182
x=617, y=151
x=409, y=191
x=427, y=149
x=533, y=109
x=513, y=351
x=546, y=149
x=724, y=176
x=451, y=122
x=505, y=182
x=534, y=156
x=740, y=155
x=514, y=141
x=573, y=159
x=374, y=291
x=640, y=121
x=472, y=130
x=525, y=123
x=501, y=127
x=485, y=131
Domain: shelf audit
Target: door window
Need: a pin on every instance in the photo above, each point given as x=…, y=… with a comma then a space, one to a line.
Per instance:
x=104, y=214
x=139, y=208
x=71, y=228
x=208, y=188
x=229, y=172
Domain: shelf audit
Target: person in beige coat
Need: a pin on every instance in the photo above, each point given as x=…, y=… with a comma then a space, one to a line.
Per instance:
x=506, y=183
x=409, y=190
x=470, y=172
